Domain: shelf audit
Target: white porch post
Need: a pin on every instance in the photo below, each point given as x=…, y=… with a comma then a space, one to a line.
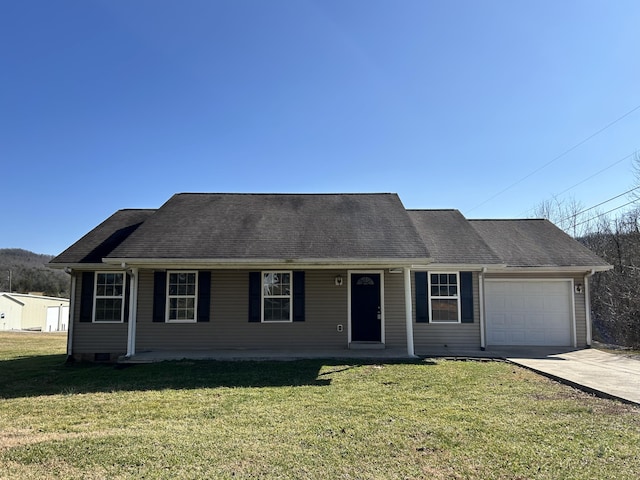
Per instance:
x=408, y=311
x=587, y=307
x=483, y=341
x=72, y=314
x=133, y=307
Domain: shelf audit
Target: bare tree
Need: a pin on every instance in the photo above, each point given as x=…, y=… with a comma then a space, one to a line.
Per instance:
x=568, y=214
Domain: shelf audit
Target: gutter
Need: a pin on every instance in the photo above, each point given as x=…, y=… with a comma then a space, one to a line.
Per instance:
x=329, y=263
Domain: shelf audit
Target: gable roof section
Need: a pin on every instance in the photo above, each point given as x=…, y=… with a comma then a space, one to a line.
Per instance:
x=451, y=239
x=279, y=227
x=535, y=243
x=100, y=241
x=9, y=296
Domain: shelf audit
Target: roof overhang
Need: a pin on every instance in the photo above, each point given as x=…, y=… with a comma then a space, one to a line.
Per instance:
x=263, y=263
x=466, y=267
x=67, y=267
x=549, y=269
x=10, y=296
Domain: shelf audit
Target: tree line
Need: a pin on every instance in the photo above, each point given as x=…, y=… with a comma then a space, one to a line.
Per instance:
x=22, y=271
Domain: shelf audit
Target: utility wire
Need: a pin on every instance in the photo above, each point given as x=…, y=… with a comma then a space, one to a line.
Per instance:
x=585, y=180
x=597, y=173
x=601, y=214
x=557, y=157
x=574, y=215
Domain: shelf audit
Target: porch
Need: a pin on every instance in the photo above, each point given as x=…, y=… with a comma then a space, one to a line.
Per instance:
x=385, y=354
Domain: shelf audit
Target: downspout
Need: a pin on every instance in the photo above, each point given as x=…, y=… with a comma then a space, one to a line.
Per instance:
x=408, y=311
x=587, y=306
x=72, y=315
x=483, y=341
x=133, y=307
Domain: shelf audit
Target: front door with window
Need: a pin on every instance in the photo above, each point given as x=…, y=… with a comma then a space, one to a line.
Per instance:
x=366, y=313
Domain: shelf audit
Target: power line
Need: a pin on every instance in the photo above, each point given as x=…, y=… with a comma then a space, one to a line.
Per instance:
x=601, y=203
x=557, y=157
x=601, y=214
x=586, y=179
x=597, y=173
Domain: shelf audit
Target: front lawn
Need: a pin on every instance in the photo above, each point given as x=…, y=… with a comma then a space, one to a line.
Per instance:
x=302, y=419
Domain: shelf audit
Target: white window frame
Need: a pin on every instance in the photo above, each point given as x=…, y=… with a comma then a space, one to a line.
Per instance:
x=263, y=296
x=97, y=297
x=441, y=297
x=169, y=297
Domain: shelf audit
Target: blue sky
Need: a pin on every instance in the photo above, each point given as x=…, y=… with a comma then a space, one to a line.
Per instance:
x=120, y=104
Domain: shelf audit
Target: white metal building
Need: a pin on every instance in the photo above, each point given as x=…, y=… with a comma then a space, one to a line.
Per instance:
x=19, y=311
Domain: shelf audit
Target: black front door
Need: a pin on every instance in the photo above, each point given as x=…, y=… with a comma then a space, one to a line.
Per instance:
x=366, y=314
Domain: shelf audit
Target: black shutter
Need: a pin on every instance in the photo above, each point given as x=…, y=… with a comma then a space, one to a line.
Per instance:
x=254, y=296
x=204, y=296
x=125, y=293
x=159, y=296
x=298, y=296
x=422, y=303
x=466, y=296
x=86, y=297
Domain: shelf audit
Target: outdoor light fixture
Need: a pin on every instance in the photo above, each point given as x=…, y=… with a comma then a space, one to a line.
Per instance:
x=578, y=288
x=338, y=280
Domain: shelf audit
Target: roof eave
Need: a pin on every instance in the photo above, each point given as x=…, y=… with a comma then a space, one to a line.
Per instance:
x=66, y=266
x=550, y=268
x=264, y=262
x=458, y=266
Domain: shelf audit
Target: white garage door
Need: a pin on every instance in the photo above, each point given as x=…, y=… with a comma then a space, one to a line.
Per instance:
x=528, y=312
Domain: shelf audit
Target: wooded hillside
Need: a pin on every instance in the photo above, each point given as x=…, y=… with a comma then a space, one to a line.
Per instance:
x=615, y=294
x=29, y=273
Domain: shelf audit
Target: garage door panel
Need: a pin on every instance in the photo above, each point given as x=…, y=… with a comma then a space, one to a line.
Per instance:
x=516, y=320
x=528, y=313
x=535, y=321
x=500, y=320
x=533, y=303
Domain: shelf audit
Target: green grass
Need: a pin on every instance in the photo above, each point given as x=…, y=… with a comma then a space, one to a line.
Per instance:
x=302, y=419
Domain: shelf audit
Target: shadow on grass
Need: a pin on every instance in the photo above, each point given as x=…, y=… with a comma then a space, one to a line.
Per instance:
x=50, y=375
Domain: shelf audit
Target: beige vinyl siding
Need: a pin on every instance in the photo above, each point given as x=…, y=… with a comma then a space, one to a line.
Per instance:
x=394, y=311
x=445, y=335
x=228, y=326
x=578, y=298
x=95, y=337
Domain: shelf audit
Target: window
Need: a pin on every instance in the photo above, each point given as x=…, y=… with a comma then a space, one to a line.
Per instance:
x=181, y=296
x=276, y=297
x=109, y=297
x=444, y=298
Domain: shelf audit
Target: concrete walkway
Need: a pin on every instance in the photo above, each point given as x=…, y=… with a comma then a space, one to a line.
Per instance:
x=604, y=374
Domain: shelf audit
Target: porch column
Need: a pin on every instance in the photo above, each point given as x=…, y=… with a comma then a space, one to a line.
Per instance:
x=72, y=313
x=133, y=307
x=408, y=311
x=483, y=340
x=587, y=307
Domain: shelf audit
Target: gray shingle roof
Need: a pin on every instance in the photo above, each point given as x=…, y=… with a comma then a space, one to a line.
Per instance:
x=100, y=241
x=534, y=243
x=278, y=227
x=451, y=239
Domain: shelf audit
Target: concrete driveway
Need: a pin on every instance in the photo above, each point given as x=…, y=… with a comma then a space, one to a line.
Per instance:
x=605, y=374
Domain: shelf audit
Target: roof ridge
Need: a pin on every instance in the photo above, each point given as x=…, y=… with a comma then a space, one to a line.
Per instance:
x=287, y=193
x=432, y=210
x=136, y=210
x=506, y=219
